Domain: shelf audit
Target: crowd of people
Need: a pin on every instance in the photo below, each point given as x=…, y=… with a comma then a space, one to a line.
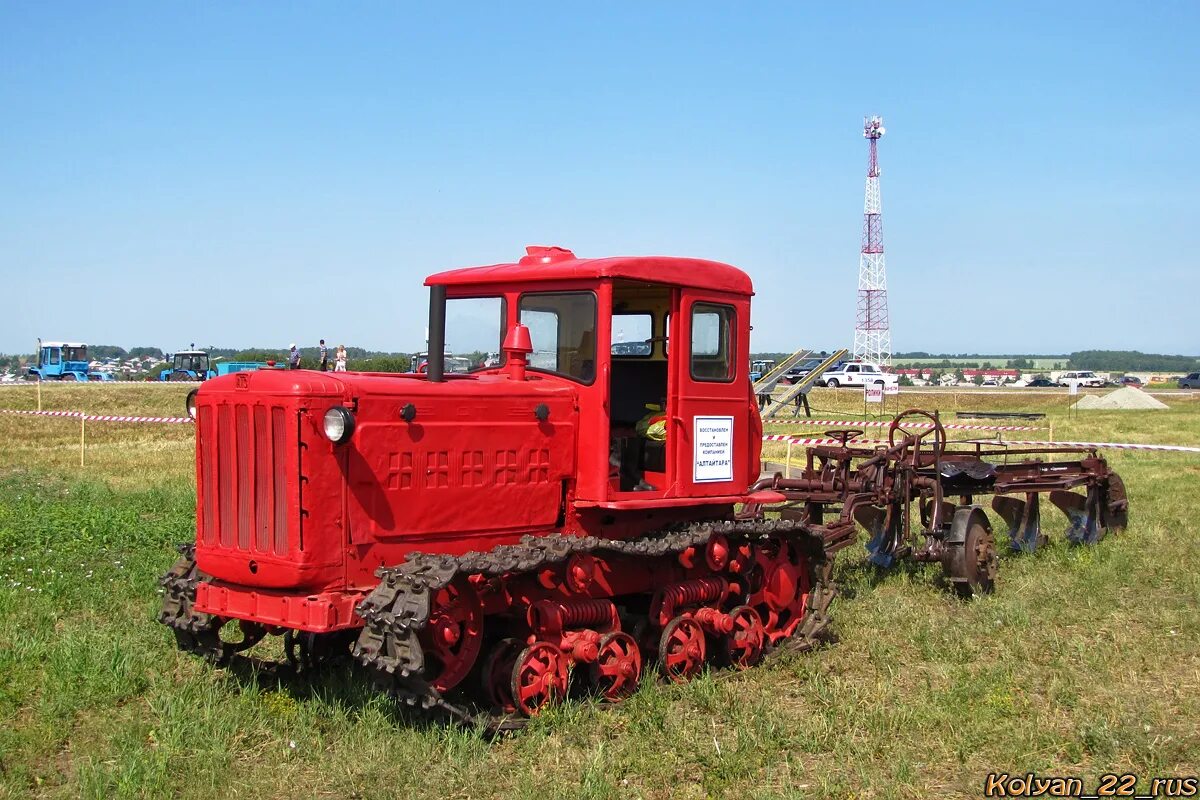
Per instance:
x=339, y=358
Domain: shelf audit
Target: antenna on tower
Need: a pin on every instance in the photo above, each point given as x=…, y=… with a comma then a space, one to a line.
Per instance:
x=872, y=332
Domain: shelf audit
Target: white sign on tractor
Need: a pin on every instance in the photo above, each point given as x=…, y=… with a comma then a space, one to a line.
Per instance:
x=714, y=449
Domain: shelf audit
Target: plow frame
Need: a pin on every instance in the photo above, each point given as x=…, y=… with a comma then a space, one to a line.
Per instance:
x=916, y=497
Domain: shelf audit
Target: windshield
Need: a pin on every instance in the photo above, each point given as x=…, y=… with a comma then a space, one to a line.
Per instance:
x=474, y=328
x=194, y=363
x=562, y=327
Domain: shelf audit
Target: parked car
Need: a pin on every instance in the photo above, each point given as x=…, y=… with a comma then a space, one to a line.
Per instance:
x=1192, y=381
x=1039, y=383
x=856, y=373
x=1081, y=378
x=799, y=372
x=1131, y=380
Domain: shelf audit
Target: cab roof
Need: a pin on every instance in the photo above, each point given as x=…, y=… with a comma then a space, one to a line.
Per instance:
x=63, y=344
x=559, y=264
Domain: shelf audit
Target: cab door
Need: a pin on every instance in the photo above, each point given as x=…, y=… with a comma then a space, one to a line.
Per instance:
x=710, y=401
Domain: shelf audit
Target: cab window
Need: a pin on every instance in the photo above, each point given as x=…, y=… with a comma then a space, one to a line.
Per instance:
x=474, y=329
x=712, y=342
x=633, y=334
x=562, y=327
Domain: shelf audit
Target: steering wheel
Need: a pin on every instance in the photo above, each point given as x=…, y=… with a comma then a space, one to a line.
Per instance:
x=843, y=435
x=897, y=433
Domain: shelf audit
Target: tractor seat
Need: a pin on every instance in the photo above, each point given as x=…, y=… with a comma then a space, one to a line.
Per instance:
x=967, y=475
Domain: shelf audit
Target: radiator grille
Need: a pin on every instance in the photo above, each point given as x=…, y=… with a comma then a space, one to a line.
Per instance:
x=243, y=463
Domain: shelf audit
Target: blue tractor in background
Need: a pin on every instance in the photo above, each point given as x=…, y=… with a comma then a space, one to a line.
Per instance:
x=64, y=361
x=188, y=365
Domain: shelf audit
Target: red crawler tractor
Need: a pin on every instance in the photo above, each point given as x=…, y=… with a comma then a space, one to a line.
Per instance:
x=482, y=541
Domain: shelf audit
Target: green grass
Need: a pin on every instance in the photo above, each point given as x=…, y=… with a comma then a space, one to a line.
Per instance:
x=1084, y=661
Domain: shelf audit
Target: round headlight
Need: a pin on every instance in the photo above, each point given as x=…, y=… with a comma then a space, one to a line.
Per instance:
x=190, y=403
x=339, y=424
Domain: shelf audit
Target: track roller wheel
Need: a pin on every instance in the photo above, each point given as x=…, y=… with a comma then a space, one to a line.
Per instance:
x=497, y=674
x=618, y=667
x=539, y=677
x=682, y=649
x=743, y=646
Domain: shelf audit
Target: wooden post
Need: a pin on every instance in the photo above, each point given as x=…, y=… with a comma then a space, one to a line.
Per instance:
x=82, y=421
x=1052, y=431
x=39, y=390
x=787, y=471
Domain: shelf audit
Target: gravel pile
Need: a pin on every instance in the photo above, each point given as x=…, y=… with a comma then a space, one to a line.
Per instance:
x=1127, y=398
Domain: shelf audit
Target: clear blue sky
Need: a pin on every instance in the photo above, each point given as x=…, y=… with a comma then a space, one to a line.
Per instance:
x=257, y=173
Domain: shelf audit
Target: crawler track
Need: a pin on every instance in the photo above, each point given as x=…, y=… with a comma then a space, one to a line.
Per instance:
x=399, y=608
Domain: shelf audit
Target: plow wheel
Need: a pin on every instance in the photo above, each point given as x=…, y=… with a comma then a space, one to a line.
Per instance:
x=971, y=562
x=743, y=646
x=539, y=676
x=682, y=649
x=453, y=636
x=618, y=667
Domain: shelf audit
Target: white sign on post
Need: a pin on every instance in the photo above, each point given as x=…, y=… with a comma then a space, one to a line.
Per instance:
x=874, y=393
x=713, y=453
x=1073, y=388
x=891, y=388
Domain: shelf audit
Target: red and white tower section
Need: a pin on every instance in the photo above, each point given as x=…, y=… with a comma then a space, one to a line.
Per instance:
x=872, y=333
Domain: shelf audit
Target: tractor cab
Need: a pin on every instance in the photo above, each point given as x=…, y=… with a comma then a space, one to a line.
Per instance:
x=657, y=349
x=61, y=361
x=188, y=365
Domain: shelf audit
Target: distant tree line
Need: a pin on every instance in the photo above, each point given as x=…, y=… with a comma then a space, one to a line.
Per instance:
x=1131, y=360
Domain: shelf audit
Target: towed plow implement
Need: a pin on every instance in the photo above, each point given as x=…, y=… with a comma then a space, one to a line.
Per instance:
x=917, y=496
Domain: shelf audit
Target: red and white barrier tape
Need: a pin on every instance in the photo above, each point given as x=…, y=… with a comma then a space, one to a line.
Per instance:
x=950, y=426
x=782, y=437
x=97, y=417
x=1171, y=448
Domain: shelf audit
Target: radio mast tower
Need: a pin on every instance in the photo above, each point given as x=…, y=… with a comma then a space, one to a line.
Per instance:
x=872, y=334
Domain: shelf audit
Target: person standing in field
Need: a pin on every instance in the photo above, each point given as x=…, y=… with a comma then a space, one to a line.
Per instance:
x=339, y=359
x=324, y=358
x=294, y=358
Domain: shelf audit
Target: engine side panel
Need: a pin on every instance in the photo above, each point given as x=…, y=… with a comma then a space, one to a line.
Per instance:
x=497, y=470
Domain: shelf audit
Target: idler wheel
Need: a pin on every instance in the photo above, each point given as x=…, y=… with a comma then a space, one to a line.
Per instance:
x=453, y=635
x=539, y=677
x=743, y=646
x=618, y=666
x=682, y=649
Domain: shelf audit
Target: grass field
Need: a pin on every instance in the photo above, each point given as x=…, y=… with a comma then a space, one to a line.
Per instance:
x=1084, y=661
